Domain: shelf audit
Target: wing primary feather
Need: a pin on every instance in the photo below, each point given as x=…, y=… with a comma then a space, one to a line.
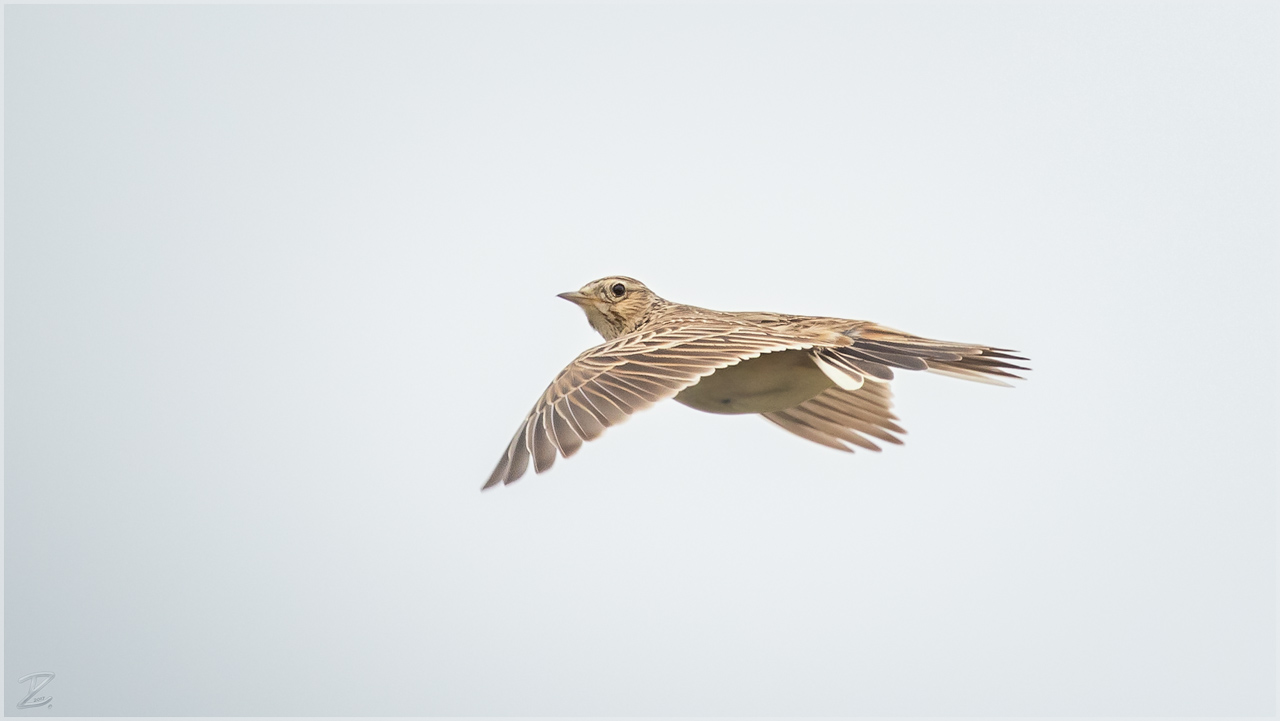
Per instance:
x=613, y=412
x=862, y=409
x=499, y=472
x=564, y=406
x=513, y=463
x=519, y=460
x=782, y=419
x=544, y=451
x=876, y=371
x=803, y=415
x=568, y=438
x=548, y=427
x=970, y=376
x=591, y=425
x=842, y=417
x=898, y=360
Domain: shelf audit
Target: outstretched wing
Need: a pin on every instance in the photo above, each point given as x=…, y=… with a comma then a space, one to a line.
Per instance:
x=858, y=410
x=606, y=384
x=837, y=416
x=877, y=350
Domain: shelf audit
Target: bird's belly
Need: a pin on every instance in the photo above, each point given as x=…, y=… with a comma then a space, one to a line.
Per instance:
x=771, y=382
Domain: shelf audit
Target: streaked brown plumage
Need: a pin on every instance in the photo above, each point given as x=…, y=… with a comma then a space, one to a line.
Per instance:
x=824, y=379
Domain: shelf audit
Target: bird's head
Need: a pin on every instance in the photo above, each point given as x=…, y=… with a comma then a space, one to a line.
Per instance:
x=615, y=305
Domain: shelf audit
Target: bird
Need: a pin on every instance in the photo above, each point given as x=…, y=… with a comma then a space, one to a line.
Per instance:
x=823, y=379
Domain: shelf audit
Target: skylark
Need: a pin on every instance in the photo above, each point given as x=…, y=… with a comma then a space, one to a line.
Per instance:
x=823, y=379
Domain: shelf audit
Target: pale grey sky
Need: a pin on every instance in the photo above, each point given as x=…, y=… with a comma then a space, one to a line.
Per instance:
x=279, y=286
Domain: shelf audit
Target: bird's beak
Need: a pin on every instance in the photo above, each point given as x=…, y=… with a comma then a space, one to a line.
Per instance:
x=575, y=297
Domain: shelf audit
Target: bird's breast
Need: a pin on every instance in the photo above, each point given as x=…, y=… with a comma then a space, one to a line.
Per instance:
x=771, y=382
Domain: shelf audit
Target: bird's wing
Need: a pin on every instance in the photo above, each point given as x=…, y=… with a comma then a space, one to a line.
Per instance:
x=836, y=416
x=609, y=382
x=877, y=350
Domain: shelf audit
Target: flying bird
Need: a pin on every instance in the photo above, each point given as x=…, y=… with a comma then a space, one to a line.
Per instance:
x=823, y=379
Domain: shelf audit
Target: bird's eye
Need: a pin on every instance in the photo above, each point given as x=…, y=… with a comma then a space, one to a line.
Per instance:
x=618, y=290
